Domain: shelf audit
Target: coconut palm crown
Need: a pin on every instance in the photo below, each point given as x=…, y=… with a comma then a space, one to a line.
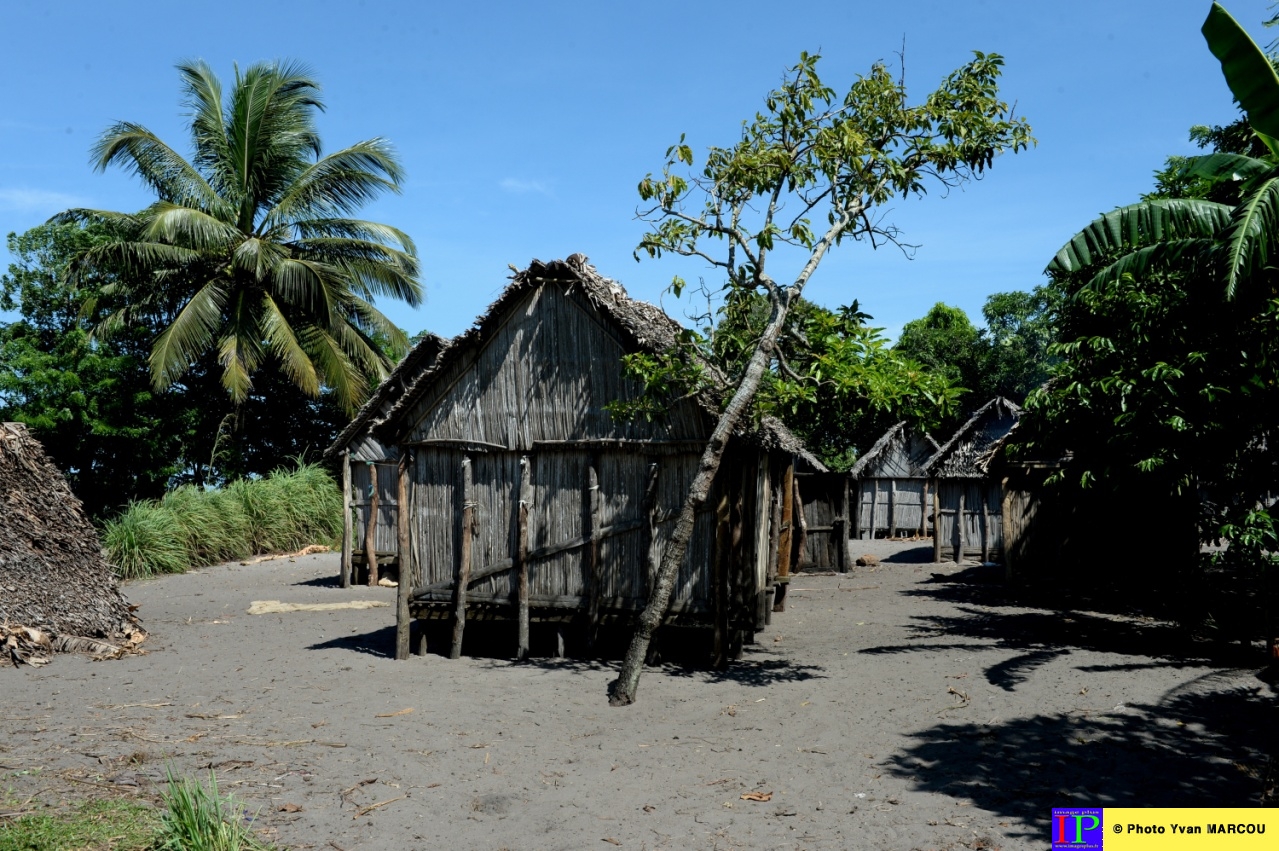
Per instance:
x=250, y=251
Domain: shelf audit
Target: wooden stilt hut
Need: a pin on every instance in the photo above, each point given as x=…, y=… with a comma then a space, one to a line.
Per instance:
x=892, y=490
x=370, y=514
x=527, y=501
x=967, y=500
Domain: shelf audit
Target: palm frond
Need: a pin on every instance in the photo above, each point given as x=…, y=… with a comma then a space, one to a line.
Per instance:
x=307, y=285
x=203, y=96
x=1158, y=257
x=190, y=333
x=1250, y=241
x=370, y=321
x=341, y=182
x=283, y=343
x=139, y=152
x=347, y=382
x=258, y=257
x=354, y=229
x=240, y=350
x=1218, y=168
x=1137, y=225
x=188, y=227
x=1247, y=69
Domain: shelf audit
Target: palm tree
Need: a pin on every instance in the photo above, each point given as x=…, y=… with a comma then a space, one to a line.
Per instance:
x=250, y=252
x=1230, y=242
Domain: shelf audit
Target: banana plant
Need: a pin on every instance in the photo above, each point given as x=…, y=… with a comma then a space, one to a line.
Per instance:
x=1232, y=242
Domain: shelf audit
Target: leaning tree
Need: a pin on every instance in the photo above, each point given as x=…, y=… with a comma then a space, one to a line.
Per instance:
x=810, y=171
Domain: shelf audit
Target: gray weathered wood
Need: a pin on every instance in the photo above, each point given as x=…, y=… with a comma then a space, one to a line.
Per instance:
x=521, y=556
x=595, y=575
x=403, y=621
x=466, y=536
x=936, y=527
x=985, y=531
x=719, y=567
x=348, y=532
x=960, y=523
x=892, y=508
x=370, y=532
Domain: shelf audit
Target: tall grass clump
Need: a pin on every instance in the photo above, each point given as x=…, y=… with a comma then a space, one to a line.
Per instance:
x=197, y=818
x=190, y=527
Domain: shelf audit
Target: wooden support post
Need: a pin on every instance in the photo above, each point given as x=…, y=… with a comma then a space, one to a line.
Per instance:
x=348, y=531
x=985, y=530
x=719, y=581
x=593, y=573
x=874, y=508
x=521, y=558
x=785, y=538
x=1006, y=522
x=465, y=534
x=892, y=508
x=841, y=553
x=923, y=510
x=403, y=620
x=649, y=510
x=774, y=550
x=801, y=540
x=937, y=523
x=735, y=581
x=370, y=530
x=961, y=526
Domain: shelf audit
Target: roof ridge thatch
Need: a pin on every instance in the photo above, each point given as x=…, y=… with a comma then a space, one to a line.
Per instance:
x=881, y=446
x=56, y=583
x=647, y=325
x=1013, y=409
x=423, y=351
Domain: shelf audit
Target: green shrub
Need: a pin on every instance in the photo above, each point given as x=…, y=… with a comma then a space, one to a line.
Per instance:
x=190, y=527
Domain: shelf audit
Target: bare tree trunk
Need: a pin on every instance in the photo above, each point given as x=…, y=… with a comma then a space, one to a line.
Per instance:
x=626, y=685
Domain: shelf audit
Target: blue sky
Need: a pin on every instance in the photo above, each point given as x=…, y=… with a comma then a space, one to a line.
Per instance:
x=525, y=127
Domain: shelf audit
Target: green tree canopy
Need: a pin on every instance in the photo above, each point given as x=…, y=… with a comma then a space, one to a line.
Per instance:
x=250, y=251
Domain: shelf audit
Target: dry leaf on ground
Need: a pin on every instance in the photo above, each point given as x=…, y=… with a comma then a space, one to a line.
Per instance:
x=757, y=796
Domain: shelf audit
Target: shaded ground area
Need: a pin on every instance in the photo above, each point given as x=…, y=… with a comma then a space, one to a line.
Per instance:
x=903, y=706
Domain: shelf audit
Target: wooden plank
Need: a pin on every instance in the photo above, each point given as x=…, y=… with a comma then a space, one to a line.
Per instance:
x=841, y=553
x=466, y=535
x=892, y=508
x=663, y=446
x=874, y=508
x=801, y=542
x=649, y=511
x=594, y=571
x=464, y=443
x=985, y=529
x=961, y=530
x=923, y=510
x=521, y=557
x=1006, y=521
x=774, y=547
x=937, y=523
x=403, y=622
x=784, y=549
x=370, y=530
x=348, y=530
x=719, y=582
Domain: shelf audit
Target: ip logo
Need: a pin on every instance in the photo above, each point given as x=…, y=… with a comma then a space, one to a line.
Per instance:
x=1077, y=828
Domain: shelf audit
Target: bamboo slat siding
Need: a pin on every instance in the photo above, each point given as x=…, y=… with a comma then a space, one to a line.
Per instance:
x=973, y=533
x=887, y=506
x=385, y=530
x=822, y=496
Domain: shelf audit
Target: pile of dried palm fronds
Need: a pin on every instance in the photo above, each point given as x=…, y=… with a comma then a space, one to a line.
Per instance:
x=25, y=645
x=57, y=593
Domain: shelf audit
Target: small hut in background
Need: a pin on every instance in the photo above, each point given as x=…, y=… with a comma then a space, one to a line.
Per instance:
x=892, y=488
x=968, y=500
x=527, y=501
x=822, y=525
x=57, y=593
x=370, y=514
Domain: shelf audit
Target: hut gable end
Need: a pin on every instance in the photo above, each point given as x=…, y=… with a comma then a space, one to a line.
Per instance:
x=963, y=454
x=544, y=370
x=900, y=454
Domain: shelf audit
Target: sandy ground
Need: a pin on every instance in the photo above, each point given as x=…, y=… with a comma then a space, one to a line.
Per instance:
x=904, y=706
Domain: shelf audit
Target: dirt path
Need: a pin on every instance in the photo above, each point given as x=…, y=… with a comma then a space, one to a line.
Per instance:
x=898, y=707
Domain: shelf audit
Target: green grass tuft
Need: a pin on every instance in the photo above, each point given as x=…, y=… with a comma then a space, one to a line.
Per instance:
x=197, y=818
x=190, y=527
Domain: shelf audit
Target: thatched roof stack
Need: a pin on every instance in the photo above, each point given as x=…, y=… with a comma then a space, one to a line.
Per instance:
x=56, y=590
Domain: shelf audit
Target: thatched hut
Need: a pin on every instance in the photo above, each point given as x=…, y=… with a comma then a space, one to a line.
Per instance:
x=892, y=488
x=57, y=593
x=967, y=500
x=370, y=514
x=529, y=501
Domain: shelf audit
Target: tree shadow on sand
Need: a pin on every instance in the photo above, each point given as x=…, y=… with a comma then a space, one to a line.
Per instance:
x=1196, y=747
x=379, y=642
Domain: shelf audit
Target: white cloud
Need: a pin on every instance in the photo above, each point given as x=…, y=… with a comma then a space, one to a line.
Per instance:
x=37, y=200
x=521, y=187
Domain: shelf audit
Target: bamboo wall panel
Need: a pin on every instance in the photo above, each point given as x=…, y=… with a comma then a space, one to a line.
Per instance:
x=873, y=495
x=975, y=493
x=544, y=375
x=433, y=525
x=386, y=538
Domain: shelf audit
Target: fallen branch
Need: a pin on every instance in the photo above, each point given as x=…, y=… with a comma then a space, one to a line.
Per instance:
x=273, y=607
x=363, y=811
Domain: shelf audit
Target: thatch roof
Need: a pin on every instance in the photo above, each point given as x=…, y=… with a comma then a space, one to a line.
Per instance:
x=961, y=455
x=646, y=325
x=898, y=435
x=419, y=358
x=53, y=579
